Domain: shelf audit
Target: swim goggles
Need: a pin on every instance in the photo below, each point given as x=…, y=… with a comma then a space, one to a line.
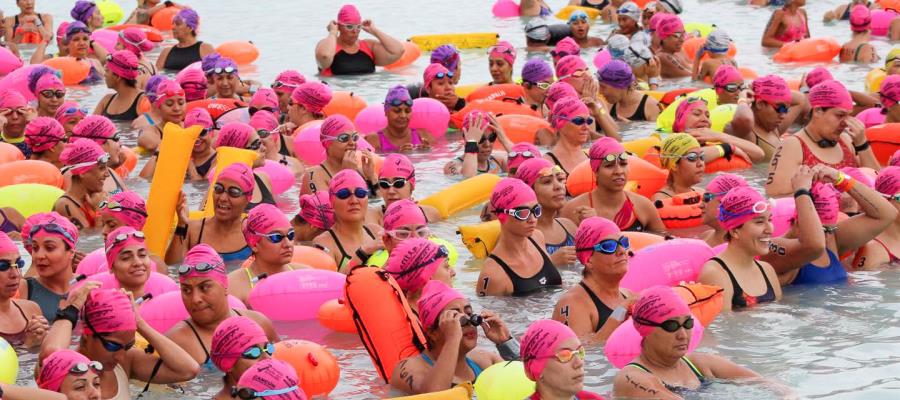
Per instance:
x=51, y=228
x=201, y=268
x=254, y=110
x=669, y=325
x=691, y=157
x=226, y=70
x=398, y=102
x=277, y=237
x=345, y=193
x=492, y=137
x=344, y=137
x=576, y=74
x=82, y=368
x=442, y=253
x=233, y=191
x=111, y=347
x=579, y=120
x=254, y=145
x=540, y=85
x=523, y=213
x=49, y=94
x=248, y=394
x=76, y=110
x=578, y=15
x=5, y=265
x=255, y=352
x=442, y=75
x=733, y=87
x=403, y=234
x=758, y=208
x=103, y=159
x=352, y=27
x=526, y=154
x=622, y=158
x=500, y=49
x=263, y=134
x=710, y=196
x=566, y=355
x=397, y=183
x=123, y=237
x=470, y=318
x=609, y=246
x=779, y=108
x=116, y=206
x=114, y=137
x=561, y=54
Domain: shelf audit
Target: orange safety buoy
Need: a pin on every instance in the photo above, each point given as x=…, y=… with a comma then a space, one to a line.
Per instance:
x=10, y=153
x=522, y=128
x=723, y=164
x=242, y=52
x=705, y=301
x=215, y=107
x=128, y=165
x=313, y=257
x=808, y=50
x=411, y=53
x=673, y=95
x=681, y=211
x=885, y=141
x=346, y=103
x=74, y=71
x=30, y=171
x=162, y=19
x=504, y=92
x=153, y=34
x=692, y=45
x=316, y=367
x=496, y=107
x=336, y=315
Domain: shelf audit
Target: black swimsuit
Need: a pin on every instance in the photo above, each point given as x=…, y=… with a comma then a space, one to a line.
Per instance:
x=740, y=299
x=346, y=258
x=603, y=311
x=266, y=195
x=638, y=115
x=180, y=57
x=129, y=114
x=547, y=276
x=203, y=168
x=676, y=389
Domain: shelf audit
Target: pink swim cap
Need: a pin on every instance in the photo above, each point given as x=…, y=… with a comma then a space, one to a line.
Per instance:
x=413, y=262
x=69, y=110
x=669, y=26
x=135, y=41
x=108, y=311
x=860, y=177
x=231, y=338
x=656, y=19
x=313, y=96
x=656, y=305
x=739, y=205
x=7, y=246
x=888, y=181
x=519, y=149
x=508, y=194
x=566, y=47
x=829, y=94
x=264, y=97
x=397, y=165
x=44, y=221
x=435, y=296
x=10, y=99
x=316, y=210
x=262, y=220
x=590, y=232
x=334, y=126
x=349, y=15
x=265, y=121
x=558, y=91
x=194, y=83
x=504, y=50
x=123, y=64
x=402, y=213
x=860, y=18
x=48, y=82
x=890, y=91
x=82, y=155
x=57, y=366
x=119, y=239
x=95, y=127
x=346, y=179
x=722, y=183
x=684, y=109
x=166, y=90
x=566, y=109
x=239, y=174
x=601, y=148
x=431, y=73
x=198, y=116
x=568, y=65
x=127, y=207
x=539, y=344
x=827, y=201
x=725, y=74
x=894, y=161
x=42, y=133
x=203, y=254
x=274, y=376
x=772, y=89
x=817, y=76
x=235, y=134
x=288, y=80
x=534, y=168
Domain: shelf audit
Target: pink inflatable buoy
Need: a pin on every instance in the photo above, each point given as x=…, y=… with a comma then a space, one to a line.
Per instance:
x=370, y=120
x=881, y=21
x=296, y=295
x=871, y=117
x=307, y=145
x=107, y=38
x=430, y=115
x=624, y=345
x=18, y=80
x=784, y=211
x=93, y=263
x=505, y=9
x=164, y=311
x=196, y=65
x=156, y=285
x=280, y=175
x=667, y=263
x=8, y=61
x=602, y=58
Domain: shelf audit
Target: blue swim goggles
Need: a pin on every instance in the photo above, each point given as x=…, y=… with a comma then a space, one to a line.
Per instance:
x=608, y=246
x=248, y=394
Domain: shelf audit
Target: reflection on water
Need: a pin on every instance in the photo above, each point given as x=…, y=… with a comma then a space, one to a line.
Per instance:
x=837, y=342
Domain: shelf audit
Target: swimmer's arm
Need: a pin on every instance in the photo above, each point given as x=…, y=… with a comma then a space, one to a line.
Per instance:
x=806, y=22
x=786, y=255
x=877, y=214
x=11, y=392
x=492, y=281
x=469, y=166
x=206, y=49
x=670, y=67
x=698, y=68
x=177, y=364
x=11, y=43
x=574, y=314
x=102, y=104
x=742, y=123
x=606, y=122
x=40, y=53
x=161, y=266
x=768, y=39
x=644, y=208
x=178, y=245
x=783, y=165
x=713, y=274
x=47, y=28
x=408, y=375
x=871, y=255
x=326, y=47
x=720, y=367
x=753, y=151
x=374, y=140
x=633, y=383
x=149, y=138
x=387, y=49
x=161, y=61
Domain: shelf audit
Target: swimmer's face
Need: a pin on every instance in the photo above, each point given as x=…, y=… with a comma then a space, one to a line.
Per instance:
x=79, y=44
x=9, y=280
x=612, y=175
x=579, y=82
x=457, y=73
x=225, y=84
x=521, y=228
x=894, y=67
x=351, y=209
x=691, y=171
x=82, y=386
x=698, y=118
x=566, y=378
x=612, y=93
x=711, y=211
x=227, y=207
x=501, y=71
x=283, y=101
x=834, y=118
x=674, y=41
x=580, y=28
x=766, y=114
x=181, y=29
x=755, y=234
x=669, y=345
x=132, y=266
x=96, y=351
x=260, y=152
x=203, y=142
x=93, y=180
x=551, y=190
x=444, y=273
x=336, y=149
x=627, y=25
x=615, y=264
x=69, y=124
x=204, y=299
x=96, y=19
x=535, y=91
x=441, y=87
x=172, y=109
x=577, y=133
x=349, y=31
x=275, y=253
x=392, y=194
x=469, y=332
x=49, y=255
x=109, y=223
x=398, y=117
x=26, y=6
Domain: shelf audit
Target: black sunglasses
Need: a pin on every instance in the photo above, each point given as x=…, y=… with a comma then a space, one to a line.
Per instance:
x=254, y=110
x=111, y=347
x=488, y=138
x=53, y=93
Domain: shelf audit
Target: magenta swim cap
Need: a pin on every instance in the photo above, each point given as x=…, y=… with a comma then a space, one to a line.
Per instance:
x=346, y=179
x=431, y=73
x=829, y=94
x=69, y=110
x=397, y=165
x=265, y=121
x=669, y=26
x=656, y=305
x=57, y=366
x=566, y=109
x=41, y=222
x=274, y=376
x=860, y=18
x=888, y=181
x=402, y=213
x=127, y=207
x=532, y=169
x=10, y=99
x=43, y=78
x=262, y=220
x=568, y=65
x=722, y=183
x=590, y=232
x=119, y=239
x=894, y=161
x=232, y=337
x=314, y=96
x=817, y=76
x=684, y=109
x=349, y=14
x=108, y=311
x=334, y=126
x=240, y=175
x=264, y=97
x=194, y=84
x=288, y=80
x=198, y=116
x=827, y=201
x=539, y=344
x=890, y=91
x=739, y=205
x=123, y=64
x=725, y=74
x=135, y=41
x=435, y=296
x=166, y=90
x=566, y=47
x=7, y=246
x=203, y=254
x=235, y=134
x=413, y=262
x=42, y=133
x=519, y=150
x=503, y=50
x=601, y=148
x=316, y=210
x=96, y=128
x=82, y=155
x=772, y=89
x=558, y=91
x=510, y=193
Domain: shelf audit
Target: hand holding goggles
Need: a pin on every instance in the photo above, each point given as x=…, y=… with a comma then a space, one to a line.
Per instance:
x=470, y=318
x=609, y=246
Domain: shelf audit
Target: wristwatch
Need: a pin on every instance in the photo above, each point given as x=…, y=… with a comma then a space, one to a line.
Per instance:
x=801, y=192
x=862, y=147
x=471, y=147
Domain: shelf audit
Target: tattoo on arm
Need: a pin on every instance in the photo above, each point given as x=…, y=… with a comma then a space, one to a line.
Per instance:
x=484, y=286
x=639, y=386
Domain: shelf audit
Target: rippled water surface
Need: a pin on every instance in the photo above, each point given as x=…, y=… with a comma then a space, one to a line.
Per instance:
x=838, y=342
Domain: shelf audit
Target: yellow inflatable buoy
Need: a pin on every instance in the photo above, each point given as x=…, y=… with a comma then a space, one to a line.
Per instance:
x=505, y=380
x=475, y=40
x=481, y=238
x=111, y=11
x=640, y=146
x=30, y=198
x=462, y=195
x=874, y=79
x=9, y=363
x=566, y=11
x=666, y=118
x=463, y=391
x=467, y=89
x=721, y=116
x=698, y=29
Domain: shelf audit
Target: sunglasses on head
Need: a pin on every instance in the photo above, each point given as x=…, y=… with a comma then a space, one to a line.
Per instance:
x=49, y=94
x=709, y=196
x=5, y=265
x=345, y=137
x=200, y=268
x=82, y=368
x=111, y=347
x=526, y=154
x=249, y=394
x=580, y=120
x=277, y=237
x=403, y=234
x=609, y=246
x=254, y=145
x=523, y=213
x=345, y=193
x=492, y=137
x=226, y=70
x=733, y=87
x=669, y=325
x=622, y=158
x=397, y=183
x=233, y=191
x=398, y=103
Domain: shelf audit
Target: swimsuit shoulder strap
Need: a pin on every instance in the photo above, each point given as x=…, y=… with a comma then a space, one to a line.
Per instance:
x=504, y=266
x=197, y=335
x=738, y=291
x=324, y=168
x=21, y=312
x=694, y=369
x=202, y=225
x=563, y=227
x=368, y=232
x=476, y=369
x=338, y=243
x=639, y=366
x=769, y=287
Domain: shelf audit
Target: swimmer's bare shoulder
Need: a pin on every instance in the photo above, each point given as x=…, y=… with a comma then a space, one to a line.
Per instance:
x=634, y=383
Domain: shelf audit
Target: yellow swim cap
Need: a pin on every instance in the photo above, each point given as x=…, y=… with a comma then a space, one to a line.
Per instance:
x=673, y=147
x=891, y=56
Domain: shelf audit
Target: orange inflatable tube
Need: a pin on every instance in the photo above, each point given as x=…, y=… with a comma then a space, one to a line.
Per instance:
x=345, y=103
x=681, y=211
x=885, y=140
x=692, y=45
x=30, y=171
x=648, y=178
x=705, y=301
x=386, y=324
x=74, y=71
x=313, y=257
x=672, y=95
x=10, y=153
x=522, y=128
x=242, y=52
x=496, y=107
x=337, y=316
x=808, y=50
x=129, y=163
x=215, y=107
x=162, y=19
x=153, y=34
x=411, y=53
x=504, y=92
